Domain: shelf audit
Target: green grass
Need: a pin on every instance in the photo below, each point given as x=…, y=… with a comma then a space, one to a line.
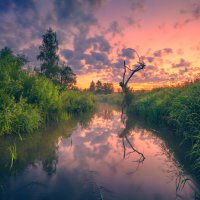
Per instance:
x=178, y=108
x=29, y=102
x=40, y=104
x=13, y=152
x=75, y=102
x=115, y=98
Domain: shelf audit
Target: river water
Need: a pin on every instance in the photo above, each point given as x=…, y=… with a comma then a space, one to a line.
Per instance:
x=95, y=157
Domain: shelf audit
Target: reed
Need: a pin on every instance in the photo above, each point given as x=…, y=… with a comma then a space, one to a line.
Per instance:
x=178, y=108
x=13, y=153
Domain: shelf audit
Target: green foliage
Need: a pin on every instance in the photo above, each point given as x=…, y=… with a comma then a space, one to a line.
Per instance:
x=92, y=86
x=11, y=76
x=101, y=88
x=42, y=92
x=26, y=103
x=14, y=110
x=13, y=152
x=107, y=88
x=68, y=78
x=178, y=108
x=77, y=102
x=115, y=99
x=62, y=76
x=19, y=117
x=48, y=55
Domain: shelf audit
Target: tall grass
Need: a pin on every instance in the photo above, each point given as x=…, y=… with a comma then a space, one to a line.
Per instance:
x=13, y=152
x=77, y=102
x=26, y=103
x=178, y=108
x=115, y=98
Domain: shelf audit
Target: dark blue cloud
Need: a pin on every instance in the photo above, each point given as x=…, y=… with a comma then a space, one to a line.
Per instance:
x=115, y=29
x=100, y=43
x=101, y=57
x=6, y=5
x=128, y=53
x=150, y=67
x=163, y=52
x=150, y=59
x=75, y=11
x=196, y=10
x=182, y=63
x=68, y=54
x=192, y=14
x=93, y=50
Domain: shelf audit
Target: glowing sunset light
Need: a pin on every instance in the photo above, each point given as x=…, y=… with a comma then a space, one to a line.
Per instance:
x=95, y=35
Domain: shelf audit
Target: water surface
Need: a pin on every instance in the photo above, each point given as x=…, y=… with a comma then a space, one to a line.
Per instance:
x=95, y=157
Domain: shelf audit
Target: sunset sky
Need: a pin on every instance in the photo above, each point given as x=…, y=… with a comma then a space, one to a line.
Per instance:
x=95, y=36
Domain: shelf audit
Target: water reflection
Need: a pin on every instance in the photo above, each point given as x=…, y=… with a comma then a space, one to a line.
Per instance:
x=124, y=135
x=92, y=158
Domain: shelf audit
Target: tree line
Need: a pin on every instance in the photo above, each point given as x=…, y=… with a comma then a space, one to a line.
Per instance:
x=51, y=68
x=101, y=88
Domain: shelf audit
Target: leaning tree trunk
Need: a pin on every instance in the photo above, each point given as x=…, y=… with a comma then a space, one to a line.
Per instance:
x=125, y=103
x=124, y=83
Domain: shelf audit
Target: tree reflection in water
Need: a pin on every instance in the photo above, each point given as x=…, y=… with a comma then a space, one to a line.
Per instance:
x=124, y=135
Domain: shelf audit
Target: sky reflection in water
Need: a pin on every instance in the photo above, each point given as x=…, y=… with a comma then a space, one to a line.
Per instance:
x=90, y=164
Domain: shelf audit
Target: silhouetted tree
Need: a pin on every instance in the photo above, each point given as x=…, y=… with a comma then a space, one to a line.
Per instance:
x=68, y=77
x=108, y=88
x=22, y=59
x=6, y=53
x=124, y=83
x=101, y=88
x=92, y=86
x=48, y=55
x=98, y=86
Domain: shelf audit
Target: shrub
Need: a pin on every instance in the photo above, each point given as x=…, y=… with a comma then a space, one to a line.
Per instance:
x=77, y=102
x=18, y=117
x=42, y=92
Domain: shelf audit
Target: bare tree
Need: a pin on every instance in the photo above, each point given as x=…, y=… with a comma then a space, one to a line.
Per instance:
x=124, y=118
x=124, y=83
x=137, y=67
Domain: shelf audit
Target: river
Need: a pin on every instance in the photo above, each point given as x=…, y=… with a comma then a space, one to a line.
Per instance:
x=95, y=157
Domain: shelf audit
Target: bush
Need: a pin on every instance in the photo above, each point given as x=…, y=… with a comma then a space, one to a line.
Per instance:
x=42, y=92
x=27, y=102
x=77, y=102
x=115, y=98
x=18, y=117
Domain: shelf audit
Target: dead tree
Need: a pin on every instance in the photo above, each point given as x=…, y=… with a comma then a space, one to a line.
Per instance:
x=124, y=83
x=137, y=67
x=124, y=135
x=125, y=91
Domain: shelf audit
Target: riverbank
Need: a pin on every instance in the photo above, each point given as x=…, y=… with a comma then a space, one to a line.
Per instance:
x=28, y=102
x=178, y=108
x=90, y=148
x=40, y=104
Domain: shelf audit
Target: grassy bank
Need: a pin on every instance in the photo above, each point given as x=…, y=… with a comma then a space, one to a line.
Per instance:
x=178, y=108
x=114, y=98
x=40, y=147
x=29, y=102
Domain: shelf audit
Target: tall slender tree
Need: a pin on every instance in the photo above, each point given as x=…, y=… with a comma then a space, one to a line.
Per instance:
x=98, y=86
x=68, y=77
x=92, y=86
x=108, y=88
x=48, y=54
